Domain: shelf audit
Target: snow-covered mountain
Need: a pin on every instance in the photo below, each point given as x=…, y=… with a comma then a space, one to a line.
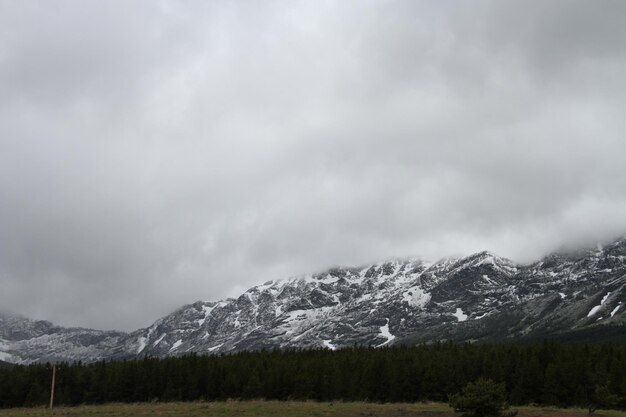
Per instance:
x=479, y=297
x=23, y=340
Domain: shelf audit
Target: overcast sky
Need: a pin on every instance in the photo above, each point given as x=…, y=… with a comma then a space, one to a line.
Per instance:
x=154, y=153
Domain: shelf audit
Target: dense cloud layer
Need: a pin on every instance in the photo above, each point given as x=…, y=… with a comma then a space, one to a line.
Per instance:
x=156, y=153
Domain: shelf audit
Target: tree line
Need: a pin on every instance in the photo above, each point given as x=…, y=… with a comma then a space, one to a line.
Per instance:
x=547, y=373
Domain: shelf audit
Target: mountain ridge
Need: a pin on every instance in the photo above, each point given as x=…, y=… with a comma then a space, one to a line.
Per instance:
x=479, y=297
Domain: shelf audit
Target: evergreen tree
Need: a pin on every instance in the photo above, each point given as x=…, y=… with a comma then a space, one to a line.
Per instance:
x=483, y=398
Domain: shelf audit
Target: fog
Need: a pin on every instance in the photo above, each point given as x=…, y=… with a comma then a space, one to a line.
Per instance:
x=156, y=153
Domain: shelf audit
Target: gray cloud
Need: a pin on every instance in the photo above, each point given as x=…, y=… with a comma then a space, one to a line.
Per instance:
x=156, y=153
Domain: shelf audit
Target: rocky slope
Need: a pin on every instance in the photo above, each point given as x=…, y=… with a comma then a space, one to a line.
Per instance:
x=479, y=297
x=23, y=340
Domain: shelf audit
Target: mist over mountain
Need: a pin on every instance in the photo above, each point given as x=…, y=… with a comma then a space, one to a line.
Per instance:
x=578, y=295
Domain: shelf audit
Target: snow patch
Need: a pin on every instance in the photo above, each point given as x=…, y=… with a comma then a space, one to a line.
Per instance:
x=329, y=345
x=595, y=309
x=416, y=297
x=176, y=344
x=214, y=348
x=496, y=262
x=142, y=343
x=207, y=310
x=489, y=280
x=364, y=297
x=615, y=309
x=460, y=316
x=299, y=321
x=143, y=340
x=563, y=296
x=384, y=331
x=158, y=340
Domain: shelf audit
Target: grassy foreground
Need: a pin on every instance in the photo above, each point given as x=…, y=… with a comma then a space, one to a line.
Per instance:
x=278, y=409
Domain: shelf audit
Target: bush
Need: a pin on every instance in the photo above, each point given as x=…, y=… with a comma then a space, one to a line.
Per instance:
x=602, y=398
x=483, y=398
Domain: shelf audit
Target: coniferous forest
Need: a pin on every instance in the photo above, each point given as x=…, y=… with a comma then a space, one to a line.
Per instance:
x=547, y=373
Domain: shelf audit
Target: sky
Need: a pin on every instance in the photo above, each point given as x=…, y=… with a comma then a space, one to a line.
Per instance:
x=156, y=153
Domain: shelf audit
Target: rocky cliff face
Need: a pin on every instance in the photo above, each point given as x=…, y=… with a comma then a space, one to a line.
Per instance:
x=479, y=297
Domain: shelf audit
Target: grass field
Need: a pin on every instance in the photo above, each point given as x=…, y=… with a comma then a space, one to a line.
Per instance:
x=278, y=409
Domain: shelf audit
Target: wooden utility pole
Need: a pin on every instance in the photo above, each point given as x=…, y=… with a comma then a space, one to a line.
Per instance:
x=54, y=374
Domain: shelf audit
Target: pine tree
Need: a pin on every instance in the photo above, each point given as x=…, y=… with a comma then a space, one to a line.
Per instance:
x=483, y=398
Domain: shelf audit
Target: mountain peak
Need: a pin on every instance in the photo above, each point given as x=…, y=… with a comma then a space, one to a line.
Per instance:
x=482, y=296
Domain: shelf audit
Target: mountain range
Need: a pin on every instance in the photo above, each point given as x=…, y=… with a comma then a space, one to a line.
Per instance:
x=569, y=295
